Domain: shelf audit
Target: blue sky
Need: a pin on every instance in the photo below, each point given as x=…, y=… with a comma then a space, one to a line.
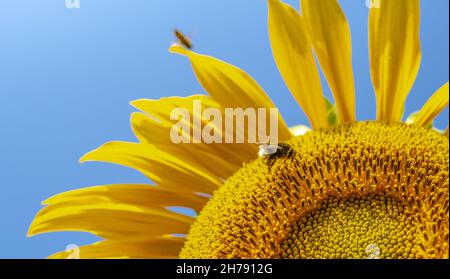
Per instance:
x=67, y=76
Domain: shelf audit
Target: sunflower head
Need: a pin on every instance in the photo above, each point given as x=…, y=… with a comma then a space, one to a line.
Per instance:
x=344, y=190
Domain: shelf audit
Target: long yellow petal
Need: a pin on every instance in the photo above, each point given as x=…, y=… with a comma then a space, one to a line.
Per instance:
x=230, y=86
x=435, y=104
x=329, y=33
x=157, y=248
x=163, y=168
x=154, y=126
x=395, y=54
x=219, y=161
x=161, y=108
x=412, y=117
x=141, y=195
x=293, y=55
x=118, y=212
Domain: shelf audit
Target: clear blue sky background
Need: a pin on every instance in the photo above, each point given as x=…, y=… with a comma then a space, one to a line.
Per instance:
x=66, y=77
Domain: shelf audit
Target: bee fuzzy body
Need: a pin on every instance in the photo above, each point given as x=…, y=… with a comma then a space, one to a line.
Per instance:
x=273, y=152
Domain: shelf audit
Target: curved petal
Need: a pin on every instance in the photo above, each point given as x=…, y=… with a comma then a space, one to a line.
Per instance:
x=412, y=117
x=160, y=109
x=154, y=126
x=294, y=58
x=329, y=33
x=395, y=54
x=157, y=248
x=230, y=86
x=151, y=131
x=140, y=195
x=163, y=168
x=435, y=104
x=120, y=212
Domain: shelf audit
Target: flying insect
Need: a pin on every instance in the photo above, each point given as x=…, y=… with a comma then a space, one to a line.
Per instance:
x=182, y=39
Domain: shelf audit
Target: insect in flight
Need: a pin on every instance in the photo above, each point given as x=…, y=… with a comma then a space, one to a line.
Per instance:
x=182, y=39
x=274, y=151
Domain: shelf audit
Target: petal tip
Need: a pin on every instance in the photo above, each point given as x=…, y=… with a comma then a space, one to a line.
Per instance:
x=31, y=229
x=176, y=48
x=86, y=157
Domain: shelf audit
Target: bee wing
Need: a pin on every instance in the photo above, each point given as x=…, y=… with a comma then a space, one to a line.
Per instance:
x=271, y=149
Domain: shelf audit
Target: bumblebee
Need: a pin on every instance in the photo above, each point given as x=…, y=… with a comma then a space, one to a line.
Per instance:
x=272, y=152
x=182, y=39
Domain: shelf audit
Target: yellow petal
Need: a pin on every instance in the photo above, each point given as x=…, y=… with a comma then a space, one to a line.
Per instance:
x=157, y=248
x=446, y=132
x=293, y=55
x=230, y=86
x=395, y=54
x=119, y=212
x=412, y=117
x=435, y=104
x=160, y=109
x=141, y=195
x=329, y=33
x=155, y=125
x=209, y=156
x=163, y=168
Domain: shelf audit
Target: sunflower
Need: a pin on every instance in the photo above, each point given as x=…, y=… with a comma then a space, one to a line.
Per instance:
x=349, y=189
